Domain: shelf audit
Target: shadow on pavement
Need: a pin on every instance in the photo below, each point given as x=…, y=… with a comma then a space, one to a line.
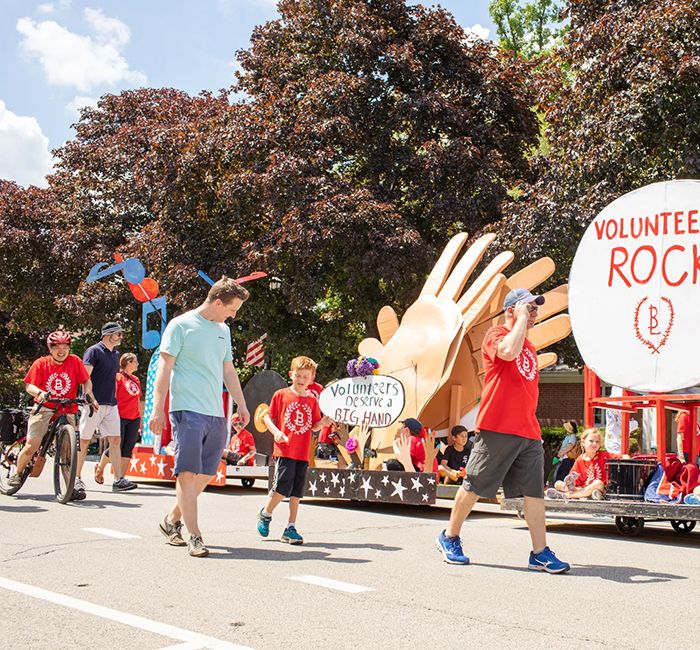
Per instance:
x=89, y=503
x=241, y=553
x=23, y=509
x=620, y=574
x=373, y=547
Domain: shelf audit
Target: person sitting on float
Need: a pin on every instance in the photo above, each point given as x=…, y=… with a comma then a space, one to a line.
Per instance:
x=413, y=428
x=588, y=475
x=241, y=450
x=454, y=460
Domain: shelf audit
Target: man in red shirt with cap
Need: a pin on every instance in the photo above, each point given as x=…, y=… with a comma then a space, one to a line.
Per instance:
x=508, y=448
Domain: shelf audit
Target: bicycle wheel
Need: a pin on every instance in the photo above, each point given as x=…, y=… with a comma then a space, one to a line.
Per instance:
x=9, y=452
x=65, y=463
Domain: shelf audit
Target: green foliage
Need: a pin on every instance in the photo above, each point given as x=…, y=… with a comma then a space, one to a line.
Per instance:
x=529, y=29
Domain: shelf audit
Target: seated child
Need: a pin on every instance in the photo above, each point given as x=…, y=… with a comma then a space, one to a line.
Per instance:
x=588, y=476
x=417, y=450
x=457, y=454
x=241, y=449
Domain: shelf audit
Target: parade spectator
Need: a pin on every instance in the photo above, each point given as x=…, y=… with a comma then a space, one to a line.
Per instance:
x=293, y=415
x=195, y=360
x=241, y=449
x=569, y=451
x=58, y=374
x=588, y=475
x=102, y=363
x=128, y=391
x=508, y=449
x=684, y=437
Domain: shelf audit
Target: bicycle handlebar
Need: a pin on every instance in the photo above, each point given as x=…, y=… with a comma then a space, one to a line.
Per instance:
x=61, y=401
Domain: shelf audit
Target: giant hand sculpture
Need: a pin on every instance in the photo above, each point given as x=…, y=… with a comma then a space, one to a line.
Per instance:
x=437, y=344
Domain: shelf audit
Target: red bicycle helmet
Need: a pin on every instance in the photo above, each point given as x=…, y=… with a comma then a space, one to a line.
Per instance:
x=59, y=336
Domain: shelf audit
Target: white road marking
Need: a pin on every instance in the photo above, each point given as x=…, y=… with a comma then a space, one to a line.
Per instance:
x=146, y=624
x=332, y=584
x=108, y=532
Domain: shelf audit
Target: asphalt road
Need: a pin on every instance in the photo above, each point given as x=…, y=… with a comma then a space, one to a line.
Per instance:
x=367, y=576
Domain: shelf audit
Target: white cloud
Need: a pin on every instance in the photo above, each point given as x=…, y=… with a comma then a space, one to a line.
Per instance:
x=45, y=8
x=78, y=102
x=478, y=30
x=24, y=149
x=75, y=60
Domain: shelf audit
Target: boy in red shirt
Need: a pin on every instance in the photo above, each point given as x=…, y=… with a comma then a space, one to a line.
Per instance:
x=59, y=373
x=241, y=450
x=684, y=437
x=293, y=415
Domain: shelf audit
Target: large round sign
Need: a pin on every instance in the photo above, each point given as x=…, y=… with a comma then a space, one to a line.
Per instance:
x=375, y=400
x=633, y=289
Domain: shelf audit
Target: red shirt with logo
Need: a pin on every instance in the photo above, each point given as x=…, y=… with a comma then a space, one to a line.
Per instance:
x=241, y=443
x=591, y=469
x=509, y=399
x=128, y=393
x=294, y=416
x=315, y=389
x=684, y=430
x=59, y=379
x=417, y=452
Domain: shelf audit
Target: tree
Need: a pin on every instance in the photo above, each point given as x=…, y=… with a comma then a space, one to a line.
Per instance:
x=621, y=111
x=527, y=30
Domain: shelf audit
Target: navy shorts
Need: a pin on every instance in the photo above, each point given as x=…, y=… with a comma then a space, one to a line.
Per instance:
x=290, y=477
x=199, y=441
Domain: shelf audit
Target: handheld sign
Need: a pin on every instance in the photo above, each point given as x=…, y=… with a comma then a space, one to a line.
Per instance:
x=633, y=289
x=374, y=400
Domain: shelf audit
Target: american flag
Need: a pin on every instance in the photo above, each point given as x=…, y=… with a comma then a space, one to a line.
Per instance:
x=255, y=353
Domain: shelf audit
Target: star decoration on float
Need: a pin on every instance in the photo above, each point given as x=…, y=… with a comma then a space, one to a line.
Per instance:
x=160, y=465
x=385, y=480
x=219, y=475
x=322, y=478
x=143, y=468
x=335, y=479
x=366, y=485
x=327, y=490
x=398, y=488
x=312, y=488
x=417, y=485
x=425, y=496
x=133, y=464
x=153, y=460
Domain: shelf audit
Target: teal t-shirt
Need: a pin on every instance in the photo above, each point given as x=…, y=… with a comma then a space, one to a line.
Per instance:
x=200, y=348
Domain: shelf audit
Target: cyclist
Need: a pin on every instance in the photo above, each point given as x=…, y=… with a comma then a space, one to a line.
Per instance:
x=59, y=373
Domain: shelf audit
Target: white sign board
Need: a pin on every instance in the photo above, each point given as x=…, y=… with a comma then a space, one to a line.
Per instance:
x=633, y=289
x=375, y=400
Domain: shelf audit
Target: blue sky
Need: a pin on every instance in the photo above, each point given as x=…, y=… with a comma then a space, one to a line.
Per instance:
x=58, y=55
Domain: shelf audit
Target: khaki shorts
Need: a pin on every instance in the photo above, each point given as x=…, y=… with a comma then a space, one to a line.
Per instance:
x=106, y=418
x=38, y=424
x=498, y=459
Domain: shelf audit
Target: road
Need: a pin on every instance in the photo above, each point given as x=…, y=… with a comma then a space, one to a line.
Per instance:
x=98, y=574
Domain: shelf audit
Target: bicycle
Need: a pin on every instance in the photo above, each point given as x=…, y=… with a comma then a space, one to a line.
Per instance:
x=60, y=441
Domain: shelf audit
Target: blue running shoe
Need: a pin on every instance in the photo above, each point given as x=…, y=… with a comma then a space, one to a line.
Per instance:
x=451, y=549
x=545, y=560
x=263, y=524
x=291, y=536
x=691, y=500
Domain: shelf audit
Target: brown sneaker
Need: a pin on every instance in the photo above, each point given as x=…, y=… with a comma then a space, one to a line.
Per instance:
x=196, y=547
x=173, y=532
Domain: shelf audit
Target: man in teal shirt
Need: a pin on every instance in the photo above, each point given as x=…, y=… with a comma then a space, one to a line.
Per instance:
x=195, y=361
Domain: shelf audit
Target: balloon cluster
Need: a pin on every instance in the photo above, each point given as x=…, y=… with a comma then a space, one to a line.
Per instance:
x=363, y=366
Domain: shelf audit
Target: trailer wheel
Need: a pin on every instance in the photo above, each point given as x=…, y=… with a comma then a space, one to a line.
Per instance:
x=629, y=526
x=247, y=482
x=682, y=525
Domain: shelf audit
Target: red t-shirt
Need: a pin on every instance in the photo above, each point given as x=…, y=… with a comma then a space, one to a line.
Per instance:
x=294, y=416
x=417, y=451
x=683, y=429
x=315, y=389
x=509, y=399
x=241, y=443
x=59, y=379
x=324, y=436
x=592, y=469
x=128, y=393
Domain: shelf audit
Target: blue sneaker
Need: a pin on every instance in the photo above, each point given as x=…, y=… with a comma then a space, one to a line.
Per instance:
x=291, y=536
x=691, y=500
x=264, y=524
x=545, y=560
x=451, y=549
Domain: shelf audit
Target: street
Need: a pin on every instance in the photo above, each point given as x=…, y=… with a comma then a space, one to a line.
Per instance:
x=98, y=574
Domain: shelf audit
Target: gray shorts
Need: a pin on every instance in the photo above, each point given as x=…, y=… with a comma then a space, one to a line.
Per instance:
x=199, y=441
x=498, y=459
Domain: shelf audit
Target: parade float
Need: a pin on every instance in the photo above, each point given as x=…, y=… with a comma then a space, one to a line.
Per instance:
x=634, y=313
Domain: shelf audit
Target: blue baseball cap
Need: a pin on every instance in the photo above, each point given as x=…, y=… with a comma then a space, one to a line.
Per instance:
x=414, y=426
x=521, y=295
